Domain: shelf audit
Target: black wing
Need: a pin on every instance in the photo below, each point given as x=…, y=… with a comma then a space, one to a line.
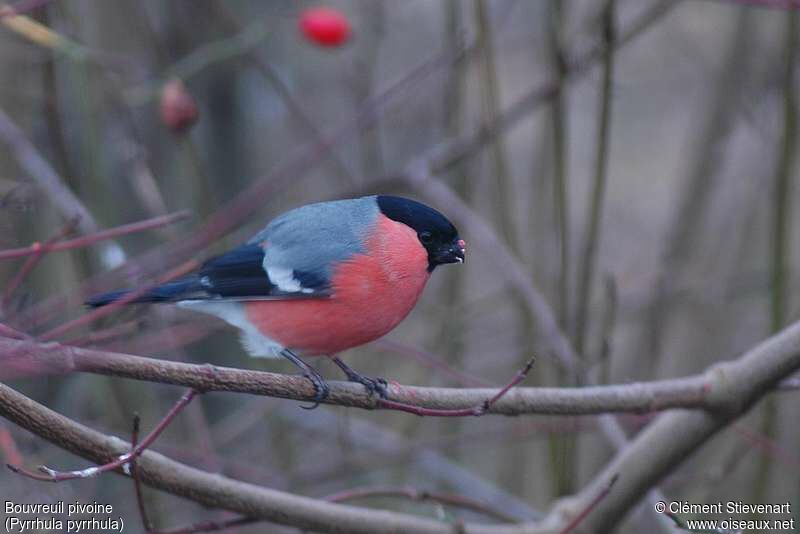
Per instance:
x=238, y=274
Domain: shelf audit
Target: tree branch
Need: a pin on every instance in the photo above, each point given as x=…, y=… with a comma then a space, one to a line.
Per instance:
x=20, y=357
x=675, y=435
x=212, y=490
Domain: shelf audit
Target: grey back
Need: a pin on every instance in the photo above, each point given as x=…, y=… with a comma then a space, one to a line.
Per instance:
x=311, y=238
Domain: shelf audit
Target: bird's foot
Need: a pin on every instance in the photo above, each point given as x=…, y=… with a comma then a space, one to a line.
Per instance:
x=373, y=385
x=321, y=389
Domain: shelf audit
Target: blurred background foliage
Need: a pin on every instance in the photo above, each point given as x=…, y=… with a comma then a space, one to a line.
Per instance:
x=651, y=198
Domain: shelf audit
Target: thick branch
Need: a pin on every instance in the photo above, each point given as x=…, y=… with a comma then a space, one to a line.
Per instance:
x=674, y=436
x=213, y=490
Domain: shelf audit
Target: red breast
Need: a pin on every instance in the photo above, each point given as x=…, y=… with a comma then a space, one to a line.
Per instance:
x=372, y=293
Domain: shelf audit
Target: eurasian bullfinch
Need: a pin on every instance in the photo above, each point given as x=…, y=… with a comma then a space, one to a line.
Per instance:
x=320, y=279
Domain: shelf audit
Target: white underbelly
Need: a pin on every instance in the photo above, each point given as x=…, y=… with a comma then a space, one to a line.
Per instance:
x=254, y=342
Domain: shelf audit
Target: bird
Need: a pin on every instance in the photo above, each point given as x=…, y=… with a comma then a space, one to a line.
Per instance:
x=319, y=279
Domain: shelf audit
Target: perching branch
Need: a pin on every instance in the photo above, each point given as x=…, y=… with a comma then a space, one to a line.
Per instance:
x=701, y=391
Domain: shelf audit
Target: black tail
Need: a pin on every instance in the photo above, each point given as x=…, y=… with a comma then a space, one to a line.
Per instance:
x=169, y=292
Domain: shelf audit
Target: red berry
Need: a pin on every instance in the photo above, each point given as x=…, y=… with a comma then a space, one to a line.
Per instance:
x=325, y=26
x=178, y=108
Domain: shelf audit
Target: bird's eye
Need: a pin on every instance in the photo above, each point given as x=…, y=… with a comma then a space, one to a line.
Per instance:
x=425, y=237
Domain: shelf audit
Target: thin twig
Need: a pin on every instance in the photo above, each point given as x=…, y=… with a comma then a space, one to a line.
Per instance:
x=90, y=239
x=769, y=447
x=107, y=334
x=591, y=506
x=13, y=333
x=433, y=362
x=476, y=410
x=112, y=307
x=137, y=485
x=51, y=475
x=594, y=218
x=8, y=446
x=559, y=121
x=33, y=260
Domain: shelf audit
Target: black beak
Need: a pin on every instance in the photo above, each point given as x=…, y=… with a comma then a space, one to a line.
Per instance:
x=453, y=253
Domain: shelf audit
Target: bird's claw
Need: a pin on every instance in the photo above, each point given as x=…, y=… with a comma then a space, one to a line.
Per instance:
x=321, y=390
x=381, y=387
x=373, y=385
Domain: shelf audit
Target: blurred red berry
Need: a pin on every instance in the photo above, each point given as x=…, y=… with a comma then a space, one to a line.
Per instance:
x=178, y=108
x=325, y=26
